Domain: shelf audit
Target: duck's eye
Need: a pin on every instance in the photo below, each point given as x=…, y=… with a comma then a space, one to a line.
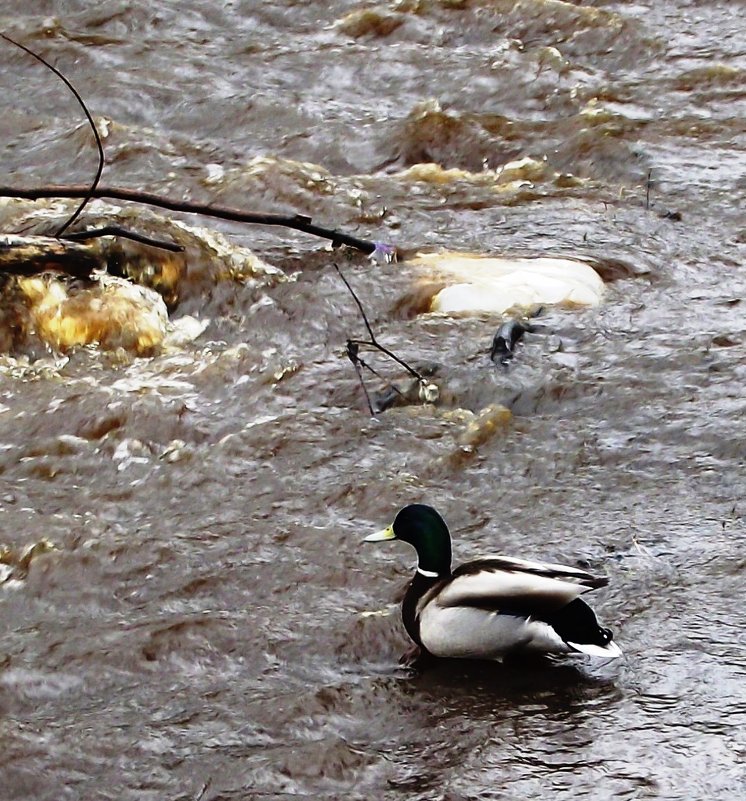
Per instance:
x=606, y=635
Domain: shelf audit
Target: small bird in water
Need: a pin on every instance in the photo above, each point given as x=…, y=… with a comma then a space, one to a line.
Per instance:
x=507, y=337
x=493, y=606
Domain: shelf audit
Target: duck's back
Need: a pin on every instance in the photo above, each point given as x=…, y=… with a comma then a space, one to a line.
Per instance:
x=502, y=583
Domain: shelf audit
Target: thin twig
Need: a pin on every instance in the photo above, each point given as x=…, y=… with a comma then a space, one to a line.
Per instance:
x=358, y=303
x=297, y=222
x=353, y=351
x=377, y=345
x=353, y=357
x=90, y=191
x=647, y=189
x=123, y=233
x=373, y=341
x=383, y=378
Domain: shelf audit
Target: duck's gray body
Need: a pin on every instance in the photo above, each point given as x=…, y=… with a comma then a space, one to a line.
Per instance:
x=467, y=633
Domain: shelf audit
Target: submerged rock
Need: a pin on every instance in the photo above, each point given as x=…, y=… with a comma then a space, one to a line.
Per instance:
x=125, y=309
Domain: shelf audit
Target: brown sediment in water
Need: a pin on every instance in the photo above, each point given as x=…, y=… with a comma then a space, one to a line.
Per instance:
x=209, y=625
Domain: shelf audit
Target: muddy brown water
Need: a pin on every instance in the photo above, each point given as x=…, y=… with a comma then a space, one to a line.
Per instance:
x=202, y=629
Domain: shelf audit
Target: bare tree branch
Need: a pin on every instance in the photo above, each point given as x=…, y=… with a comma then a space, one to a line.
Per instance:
x=123, y=233
x=373, y=341
x=298, y=222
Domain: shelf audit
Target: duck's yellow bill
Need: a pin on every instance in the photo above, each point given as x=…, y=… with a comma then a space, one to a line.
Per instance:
x=382, y=535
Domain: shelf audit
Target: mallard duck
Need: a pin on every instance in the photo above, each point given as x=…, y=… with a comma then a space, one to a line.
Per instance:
x=494, y=606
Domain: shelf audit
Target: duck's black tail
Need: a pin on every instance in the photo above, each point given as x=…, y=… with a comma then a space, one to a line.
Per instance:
x=576, y=624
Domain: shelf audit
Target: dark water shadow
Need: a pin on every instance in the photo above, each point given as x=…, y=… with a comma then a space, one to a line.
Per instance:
x=482, y=687
x=515, y=679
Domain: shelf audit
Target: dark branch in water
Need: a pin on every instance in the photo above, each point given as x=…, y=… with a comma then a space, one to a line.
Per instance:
x=89, y=192
x=358, y=303
x=370, y=369
x=377, y=345
x=123, y=233
x=30, y=255
x=298, y=222
x=373, y=342
x=353, y=353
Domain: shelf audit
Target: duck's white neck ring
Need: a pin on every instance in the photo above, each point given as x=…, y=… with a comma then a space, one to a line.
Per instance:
x=427, y=573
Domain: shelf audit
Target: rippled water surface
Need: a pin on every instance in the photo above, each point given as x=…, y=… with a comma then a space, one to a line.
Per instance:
x=194, y=619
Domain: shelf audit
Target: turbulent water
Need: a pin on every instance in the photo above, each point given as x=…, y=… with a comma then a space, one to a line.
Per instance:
x=186, y=611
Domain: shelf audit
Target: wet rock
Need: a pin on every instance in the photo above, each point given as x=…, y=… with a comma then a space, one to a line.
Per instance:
x=15, y=564
x=482, y=284
x=110, y=312
x=484, y=426
x=369, y=22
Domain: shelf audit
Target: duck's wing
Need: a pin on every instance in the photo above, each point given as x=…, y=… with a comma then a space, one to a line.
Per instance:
x=500, y=583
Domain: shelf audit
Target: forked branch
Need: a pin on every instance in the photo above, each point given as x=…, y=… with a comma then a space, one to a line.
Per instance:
x=299, y=222
x=428, y=392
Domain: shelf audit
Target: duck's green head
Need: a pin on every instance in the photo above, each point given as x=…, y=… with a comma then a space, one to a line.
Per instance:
x=424, y=529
